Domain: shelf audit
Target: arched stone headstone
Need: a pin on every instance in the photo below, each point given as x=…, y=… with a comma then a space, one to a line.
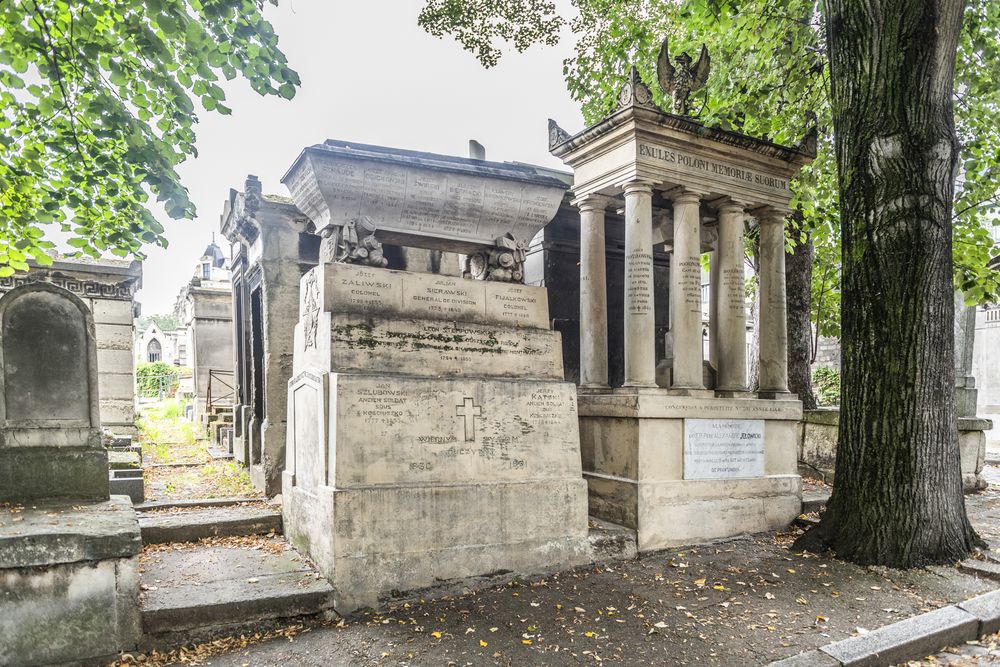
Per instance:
x=50, y=445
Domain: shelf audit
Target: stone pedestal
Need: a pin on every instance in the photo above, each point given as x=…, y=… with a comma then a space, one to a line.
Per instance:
x=69, y=583
x=645, y=469
x=430, y=434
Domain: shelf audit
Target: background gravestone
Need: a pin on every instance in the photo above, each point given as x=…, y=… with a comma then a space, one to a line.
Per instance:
x=50, y=444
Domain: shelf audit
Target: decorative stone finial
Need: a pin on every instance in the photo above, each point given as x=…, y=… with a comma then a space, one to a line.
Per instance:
x=635, y=93
x=557, y=135
x=683, y=79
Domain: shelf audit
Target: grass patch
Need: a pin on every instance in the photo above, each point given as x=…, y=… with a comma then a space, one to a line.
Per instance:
x=167, y=437
x=216, y=479
x=171, y=440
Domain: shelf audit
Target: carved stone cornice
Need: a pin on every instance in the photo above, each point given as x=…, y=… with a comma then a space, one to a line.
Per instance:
x=84, y=288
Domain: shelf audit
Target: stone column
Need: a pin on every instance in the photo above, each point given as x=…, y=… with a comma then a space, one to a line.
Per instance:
x=593, y=293
x=773, y=326
x=731, y=308
x=640, y=325
x=713, y=308
x=685, y=293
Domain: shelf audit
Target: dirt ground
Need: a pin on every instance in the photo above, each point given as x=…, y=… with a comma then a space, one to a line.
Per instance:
x=745, y=601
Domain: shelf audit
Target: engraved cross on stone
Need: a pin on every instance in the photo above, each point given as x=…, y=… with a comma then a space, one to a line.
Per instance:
x=470, y=411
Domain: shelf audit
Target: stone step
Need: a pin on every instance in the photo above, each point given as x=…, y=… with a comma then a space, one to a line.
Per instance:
x=219, y=454
x=986, y=569
x=198, y=592
x=610, y=541
x=194, y=502
x=814, y=501
x=195, y=523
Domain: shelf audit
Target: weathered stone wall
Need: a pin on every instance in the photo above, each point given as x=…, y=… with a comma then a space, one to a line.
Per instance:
x=986, y=366
x=821, y=428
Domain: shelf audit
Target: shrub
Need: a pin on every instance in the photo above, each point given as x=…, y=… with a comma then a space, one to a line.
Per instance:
x=826, y=382
x=152, y=378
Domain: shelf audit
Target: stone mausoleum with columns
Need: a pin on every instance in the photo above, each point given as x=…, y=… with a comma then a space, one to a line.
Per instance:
x=682, y=451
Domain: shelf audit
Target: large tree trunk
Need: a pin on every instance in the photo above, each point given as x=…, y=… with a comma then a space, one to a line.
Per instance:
x=798, y=290
x=898, y=497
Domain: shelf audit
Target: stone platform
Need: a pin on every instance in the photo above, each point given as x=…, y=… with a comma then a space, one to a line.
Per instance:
x=69, y=582
x=641, y=474
x=431, y=436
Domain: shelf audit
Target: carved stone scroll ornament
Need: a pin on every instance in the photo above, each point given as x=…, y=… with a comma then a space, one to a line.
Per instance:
x=352, y=243
x=502, y=263
x=683, y=79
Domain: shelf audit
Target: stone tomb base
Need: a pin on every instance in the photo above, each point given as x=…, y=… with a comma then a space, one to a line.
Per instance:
x=634, y=461
x=69, y=583
x=418, y=480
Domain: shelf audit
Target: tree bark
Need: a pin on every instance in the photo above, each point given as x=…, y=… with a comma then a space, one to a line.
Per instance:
x=798, y=291
x=898, y=497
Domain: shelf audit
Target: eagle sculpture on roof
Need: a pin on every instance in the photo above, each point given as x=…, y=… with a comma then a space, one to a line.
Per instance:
x=684, y=78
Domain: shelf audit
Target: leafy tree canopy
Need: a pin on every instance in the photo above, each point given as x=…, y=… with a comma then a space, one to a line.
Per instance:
x=97, y=108
x=770, y=78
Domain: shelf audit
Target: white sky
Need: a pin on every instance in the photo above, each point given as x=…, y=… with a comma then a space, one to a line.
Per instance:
x=369, y=74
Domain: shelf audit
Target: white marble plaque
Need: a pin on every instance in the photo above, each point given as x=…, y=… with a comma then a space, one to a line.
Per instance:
x=723, y=448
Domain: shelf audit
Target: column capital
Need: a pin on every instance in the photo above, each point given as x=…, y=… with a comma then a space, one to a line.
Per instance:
x=642, y=187
x=680, y=196
x=591, y=202
x=770, y=214
x=731, y=206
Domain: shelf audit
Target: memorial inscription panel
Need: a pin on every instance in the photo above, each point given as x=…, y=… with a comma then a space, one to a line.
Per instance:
x=723, y=448
x=355, y=289
x=463, y=431
x=700, y=168
x=435, y=348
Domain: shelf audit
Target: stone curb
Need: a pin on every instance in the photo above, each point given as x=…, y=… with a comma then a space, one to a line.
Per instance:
x=909, y=639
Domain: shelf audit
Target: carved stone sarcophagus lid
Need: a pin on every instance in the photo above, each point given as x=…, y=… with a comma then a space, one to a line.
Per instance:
x=420, y=199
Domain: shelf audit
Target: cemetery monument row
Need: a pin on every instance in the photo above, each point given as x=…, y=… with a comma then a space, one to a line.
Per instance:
x=431, y=434
x=683, y=452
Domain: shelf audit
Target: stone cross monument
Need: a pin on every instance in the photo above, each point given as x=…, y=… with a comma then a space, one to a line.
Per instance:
x=699, y=457
x=430, y=433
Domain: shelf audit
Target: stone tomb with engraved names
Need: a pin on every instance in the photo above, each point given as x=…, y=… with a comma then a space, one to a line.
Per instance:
x=684, y=452
x=420, y=199
x=431, y=435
